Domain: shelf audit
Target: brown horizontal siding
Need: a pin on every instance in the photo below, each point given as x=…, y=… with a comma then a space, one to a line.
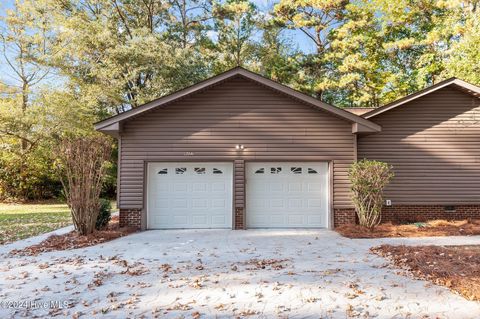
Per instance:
x=272, y=126
x=433, y=144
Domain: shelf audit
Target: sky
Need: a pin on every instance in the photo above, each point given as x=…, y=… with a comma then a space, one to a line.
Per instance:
x=301, y=40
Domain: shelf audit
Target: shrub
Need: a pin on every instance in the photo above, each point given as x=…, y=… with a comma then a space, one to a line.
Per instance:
x=30, y=177
x=368, y=179
x=82, y=164
x=104, y=214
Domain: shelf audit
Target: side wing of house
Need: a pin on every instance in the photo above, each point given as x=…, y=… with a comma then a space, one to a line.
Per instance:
x=433, y=143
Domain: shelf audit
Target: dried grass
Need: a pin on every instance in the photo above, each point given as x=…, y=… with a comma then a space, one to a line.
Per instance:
x=456, y=267
x=73, y=240
x=430, y=228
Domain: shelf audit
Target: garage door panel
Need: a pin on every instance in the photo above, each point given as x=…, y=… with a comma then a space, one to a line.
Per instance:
x=161, y=187
x=295, y=187
x=200, y=187
x=275, y=220
x=275, y=187
x=295, y=220
x=189, y=195
x=218, y=220
x=157, y=218
x=287, y=194
x=179, y=220
x=258, y=203
x=199, y=220
x=180, y=203
x=295, y=203
x=161, y=203
x=218, y=187
x=314, y=203
x=199, y=204
x=315, y=187
x=277, y=203
x=314, y=219
x=219, y=203
x=180, y=187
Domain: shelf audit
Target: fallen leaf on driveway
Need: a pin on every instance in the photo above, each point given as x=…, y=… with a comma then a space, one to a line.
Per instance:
x=220, y=307
x=248, y=312
x=275, y=264
x=180, y=306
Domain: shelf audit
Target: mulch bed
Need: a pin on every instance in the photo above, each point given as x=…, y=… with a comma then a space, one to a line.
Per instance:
x=456, y=267
x=73, y=240
x=430, y=228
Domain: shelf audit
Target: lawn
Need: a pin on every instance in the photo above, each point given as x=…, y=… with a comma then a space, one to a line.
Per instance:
x=19, y=221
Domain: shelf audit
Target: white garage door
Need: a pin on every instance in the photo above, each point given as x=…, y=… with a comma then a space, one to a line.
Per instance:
x=189, y=195
x=287, y=195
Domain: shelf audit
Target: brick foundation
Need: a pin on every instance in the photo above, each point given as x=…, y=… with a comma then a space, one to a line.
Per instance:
x=344, y=216
x=412, y=213
x=419, y=213
x=239, y=224
x=395, y=214
x=239, y=194
x=131, y=218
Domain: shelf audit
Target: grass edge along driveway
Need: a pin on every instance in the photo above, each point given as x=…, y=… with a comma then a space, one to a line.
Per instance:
x=19, y=221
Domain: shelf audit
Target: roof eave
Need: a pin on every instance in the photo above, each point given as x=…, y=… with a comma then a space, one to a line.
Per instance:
x=112, y=129
x=473, y=89
x=359, y=128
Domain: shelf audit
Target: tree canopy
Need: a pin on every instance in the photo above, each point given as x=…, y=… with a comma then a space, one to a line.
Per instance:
x=68, y=63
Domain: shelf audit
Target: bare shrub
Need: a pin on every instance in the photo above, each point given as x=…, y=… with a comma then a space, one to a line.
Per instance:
x=81, y=163
x=368, y=179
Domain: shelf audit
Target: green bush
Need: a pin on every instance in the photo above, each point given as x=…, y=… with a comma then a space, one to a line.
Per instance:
x=104, y=215
x=368, y=179
x=27, y=178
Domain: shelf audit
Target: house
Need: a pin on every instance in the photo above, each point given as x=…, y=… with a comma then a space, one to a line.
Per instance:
x=241, y=151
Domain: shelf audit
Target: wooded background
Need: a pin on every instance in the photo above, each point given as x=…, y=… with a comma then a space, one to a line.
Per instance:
x=66, y=64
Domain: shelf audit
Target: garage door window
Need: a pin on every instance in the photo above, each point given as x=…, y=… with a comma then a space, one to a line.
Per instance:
x=200, y=170
x=296, y=170
x=180, y=170
x=312, y=171
x=217, y=171
x=275, y=170
x=163, y=171
x=260, y=171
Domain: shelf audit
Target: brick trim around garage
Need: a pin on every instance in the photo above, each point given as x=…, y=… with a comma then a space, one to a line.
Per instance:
x=413, y=213
x=130, y=218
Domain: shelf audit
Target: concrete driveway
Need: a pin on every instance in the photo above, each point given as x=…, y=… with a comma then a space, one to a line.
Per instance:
x=220, y=273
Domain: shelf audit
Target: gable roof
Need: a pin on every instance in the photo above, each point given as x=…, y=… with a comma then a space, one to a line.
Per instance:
x=112, y=124
x=459, y=84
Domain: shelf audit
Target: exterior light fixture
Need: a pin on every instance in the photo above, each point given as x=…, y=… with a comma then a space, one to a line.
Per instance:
x=239, y=147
